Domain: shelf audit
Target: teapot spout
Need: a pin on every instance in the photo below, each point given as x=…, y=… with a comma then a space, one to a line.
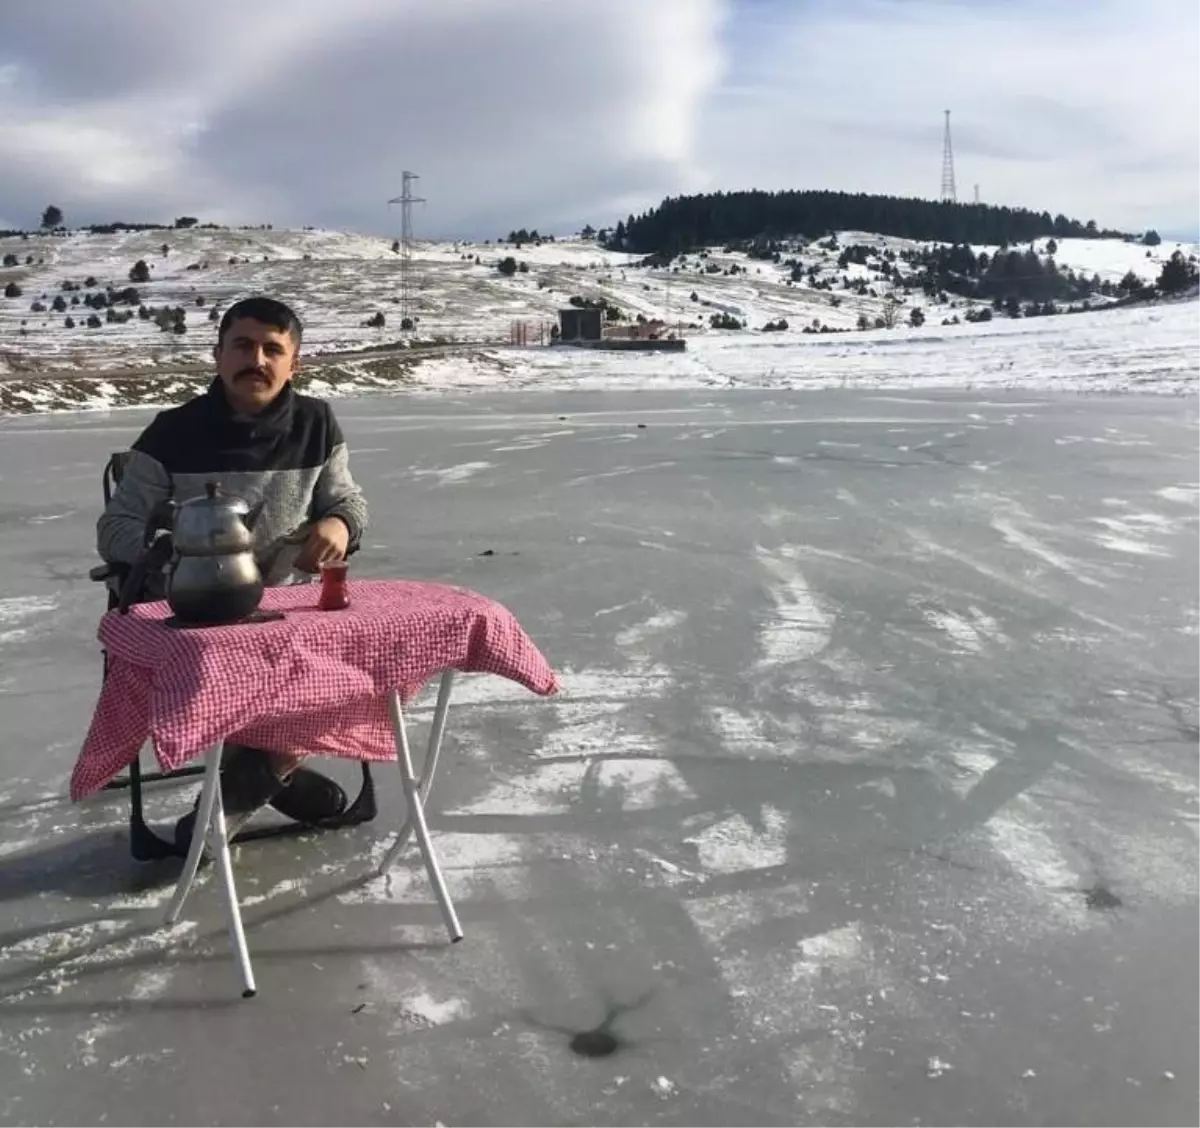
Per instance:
x=255, y=512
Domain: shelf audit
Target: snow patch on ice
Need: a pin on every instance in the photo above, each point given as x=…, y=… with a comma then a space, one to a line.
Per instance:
x=1184, y=494
x=1134, y=533
x=17, y=611
x=546, y=789
x=289, y=885
x=968, y=634
x=734, y=846
x=744, y=733
x=473, y=865
x=640, y=783
x=801, y=627
x=662, y=623
x=973, y=764
x=451, y=474
x=152, y=984
x=1026, y=541
x=424, y=1008
x=1031, y=852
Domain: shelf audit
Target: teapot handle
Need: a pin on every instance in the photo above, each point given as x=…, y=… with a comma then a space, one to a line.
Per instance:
x=162, y=516
x=152, y=558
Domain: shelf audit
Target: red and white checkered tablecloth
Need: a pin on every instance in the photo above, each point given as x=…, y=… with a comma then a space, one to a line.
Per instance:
x=314, y=682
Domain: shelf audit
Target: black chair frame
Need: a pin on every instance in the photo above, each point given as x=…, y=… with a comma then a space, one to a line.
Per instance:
x=144, y=844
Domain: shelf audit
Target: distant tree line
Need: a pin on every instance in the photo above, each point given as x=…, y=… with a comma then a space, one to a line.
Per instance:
x=1010, y=277
x=522, y=236
x=685, y=223
x=52, y=221
x=183, y=222
x=1007, y=274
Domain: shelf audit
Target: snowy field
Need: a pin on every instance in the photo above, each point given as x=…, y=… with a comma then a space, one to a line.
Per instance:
x=467, y=312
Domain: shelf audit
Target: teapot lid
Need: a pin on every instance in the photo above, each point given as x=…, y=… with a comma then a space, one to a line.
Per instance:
x=214, y=497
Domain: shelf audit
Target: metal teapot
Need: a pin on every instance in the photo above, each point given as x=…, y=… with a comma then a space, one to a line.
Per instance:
x=207, y=544
x=213, y=576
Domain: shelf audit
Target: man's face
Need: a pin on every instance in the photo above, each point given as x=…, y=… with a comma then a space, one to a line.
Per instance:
x=254, y=362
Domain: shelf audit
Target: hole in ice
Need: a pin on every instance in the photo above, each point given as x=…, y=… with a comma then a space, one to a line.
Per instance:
x=600, y=1040
x=594, y=1043
x=1101, y=897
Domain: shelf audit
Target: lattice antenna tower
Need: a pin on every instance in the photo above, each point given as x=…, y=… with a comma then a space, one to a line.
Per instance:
x=949, y=196
x=406, y=199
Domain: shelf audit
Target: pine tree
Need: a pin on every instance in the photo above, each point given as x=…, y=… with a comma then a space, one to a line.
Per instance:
x=1130, y=284
x=1177, y=274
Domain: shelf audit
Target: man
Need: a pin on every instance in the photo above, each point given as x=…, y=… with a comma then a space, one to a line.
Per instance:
x=264, y=442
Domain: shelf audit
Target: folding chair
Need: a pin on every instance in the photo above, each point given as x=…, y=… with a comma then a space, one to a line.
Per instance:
x=144, y=844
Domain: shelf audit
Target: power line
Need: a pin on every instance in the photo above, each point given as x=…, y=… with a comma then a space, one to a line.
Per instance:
x=406, y=200
x=949, y=196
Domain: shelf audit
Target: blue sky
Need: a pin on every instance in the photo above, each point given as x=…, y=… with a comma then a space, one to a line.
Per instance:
x=553, y=114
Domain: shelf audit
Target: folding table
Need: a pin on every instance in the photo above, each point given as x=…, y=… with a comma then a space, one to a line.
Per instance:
x=312, y=683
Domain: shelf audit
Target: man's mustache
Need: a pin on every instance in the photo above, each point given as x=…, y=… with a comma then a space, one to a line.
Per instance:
x=255, y=373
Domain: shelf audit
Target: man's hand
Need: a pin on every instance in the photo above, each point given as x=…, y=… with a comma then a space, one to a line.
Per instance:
x=327, y=540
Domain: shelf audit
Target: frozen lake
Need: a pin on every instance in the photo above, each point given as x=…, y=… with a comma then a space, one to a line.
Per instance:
x=870, y=797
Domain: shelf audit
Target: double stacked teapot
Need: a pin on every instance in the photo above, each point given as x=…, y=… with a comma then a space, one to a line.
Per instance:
x=207, y=546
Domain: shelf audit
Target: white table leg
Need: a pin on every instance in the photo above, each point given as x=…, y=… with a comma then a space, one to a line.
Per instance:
x=432, y=751
x=412, y=794
x=209, y=795
x=237, y=934
x=210, y=828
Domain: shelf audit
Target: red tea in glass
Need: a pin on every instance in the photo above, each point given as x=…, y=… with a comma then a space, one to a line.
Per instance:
x=334, y=595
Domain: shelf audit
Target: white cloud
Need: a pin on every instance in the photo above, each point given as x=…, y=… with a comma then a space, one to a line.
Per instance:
x=527, y=112
x=89, y=148
x=519, y=112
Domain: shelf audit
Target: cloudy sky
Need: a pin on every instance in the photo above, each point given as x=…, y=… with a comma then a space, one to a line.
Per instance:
x=553, y=113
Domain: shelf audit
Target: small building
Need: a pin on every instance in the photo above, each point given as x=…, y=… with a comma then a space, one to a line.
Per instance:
x=585, y=329
x=638, y=330
x=580, y=324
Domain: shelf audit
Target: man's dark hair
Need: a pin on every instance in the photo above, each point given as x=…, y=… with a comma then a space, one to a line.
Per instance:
x=268, y=311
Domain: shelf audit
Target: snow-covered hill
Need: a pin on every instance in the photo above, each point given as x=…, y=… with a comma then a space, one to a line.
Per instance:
x=469, y=309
